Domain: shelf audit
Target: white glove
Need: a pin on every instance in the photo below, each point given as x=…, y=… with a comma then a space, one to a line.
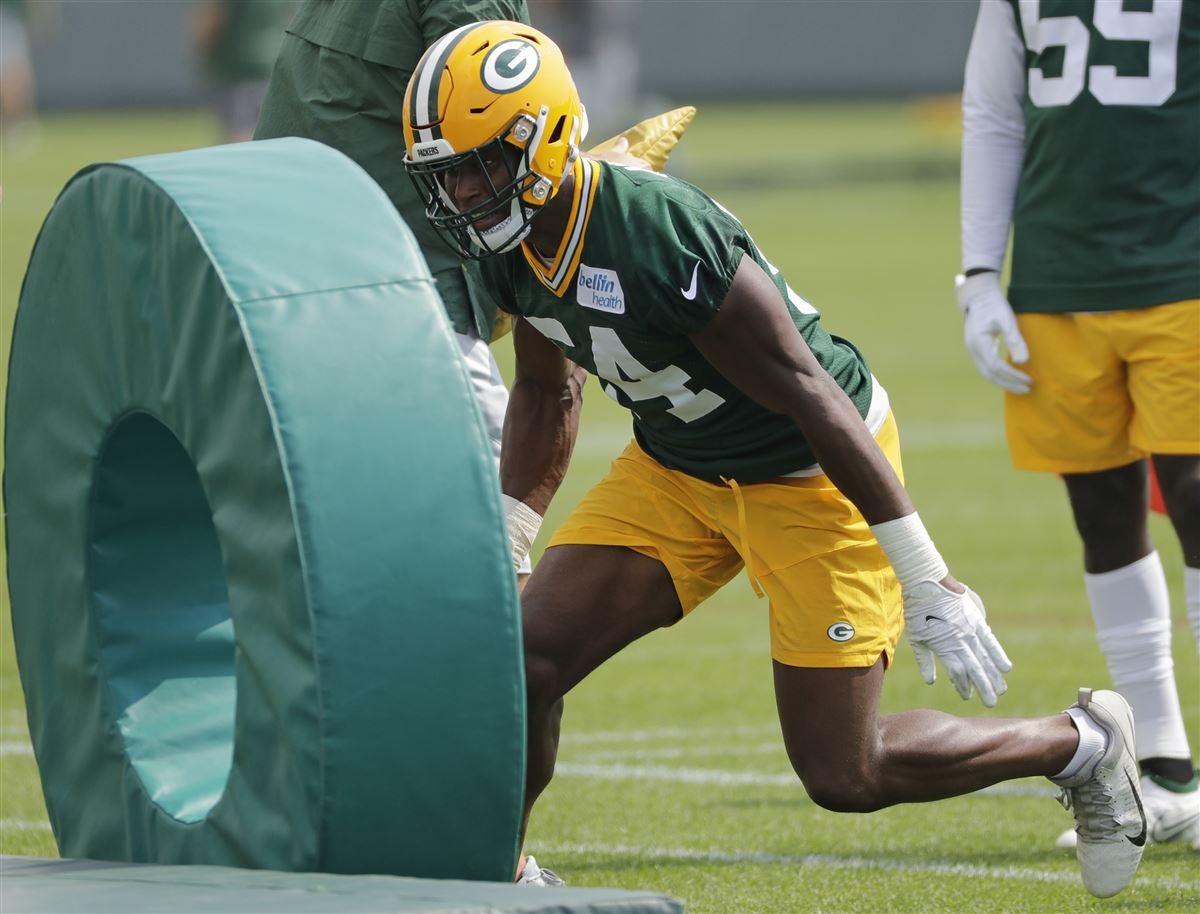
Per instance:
x=954, y=627
x=989, y=319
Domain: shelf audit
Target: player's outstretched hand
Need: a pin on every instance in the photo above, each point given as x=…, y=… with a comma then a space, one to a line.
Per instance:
x=989, y=319
x=953, y=627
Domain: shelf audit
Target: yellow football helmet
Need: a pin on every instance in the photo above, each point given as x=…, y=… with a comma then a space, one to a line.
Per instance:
x=485, y=93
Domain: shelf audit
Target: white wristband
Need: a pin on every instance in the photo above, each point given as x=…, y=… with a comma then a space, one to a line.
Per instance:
x=908, y=547
x=522, y=523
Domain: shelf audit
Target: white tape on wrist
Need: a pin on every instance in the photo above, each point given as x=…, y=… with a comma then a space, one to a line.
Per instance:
x=908, y=547
x=522, y=523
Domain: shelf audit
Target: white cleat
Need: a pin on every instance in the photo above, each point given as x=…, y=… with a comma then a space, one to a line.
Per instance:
x=532, y=874
x=1171, y=817
x=1067, y=840
x=1110, y=823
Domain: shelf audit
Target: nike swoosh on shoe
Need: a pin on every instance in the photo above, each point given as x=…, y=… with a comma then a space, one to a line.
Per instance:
x=1139, y=839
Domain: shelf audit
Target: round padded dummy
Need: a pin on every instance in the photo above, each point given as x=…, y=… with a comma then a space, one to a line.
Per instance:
x=263, y=605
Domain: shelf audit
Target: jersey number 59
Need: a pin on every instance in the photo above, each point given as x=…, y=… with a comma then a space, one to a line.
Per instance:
x=1158, y=27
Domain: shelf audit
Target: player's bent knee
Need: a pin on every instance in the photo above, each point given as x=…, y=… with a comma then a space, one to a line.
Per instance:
x=845, y=798
x=842, y=790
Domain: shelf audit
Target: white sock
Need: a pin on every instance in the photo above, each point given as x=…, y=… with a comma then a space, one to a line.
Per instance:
x=1093, y=740
x=1191, y=596
x=1132, y=610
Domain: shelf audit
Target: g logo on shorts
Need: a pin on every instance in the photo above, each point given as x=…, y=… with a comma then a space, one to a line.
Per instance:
x=840, y=631
x=510, y=65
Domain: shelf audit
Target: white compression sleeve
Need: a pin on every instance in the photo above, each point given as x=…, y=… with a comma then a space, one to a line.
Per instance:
x=993, y=145
x=491, y=396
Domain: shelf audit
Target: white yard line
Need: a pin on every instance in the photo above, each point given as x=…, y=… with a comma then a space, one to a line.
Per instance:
x=737, y=778
x=23, y=825
x=846, y=862
x=629, y=755
x=674, y=775
x=665, y=733
x=15, y=747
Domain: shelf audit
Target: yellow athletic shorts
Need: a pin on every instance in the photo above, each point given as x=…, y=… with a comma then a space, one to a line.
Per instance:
x=1109, y=388
x=834, y=600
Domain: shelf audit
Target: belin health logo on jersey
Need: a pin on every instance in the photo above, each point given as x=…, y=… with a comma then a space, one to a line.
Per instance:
x=599, y=289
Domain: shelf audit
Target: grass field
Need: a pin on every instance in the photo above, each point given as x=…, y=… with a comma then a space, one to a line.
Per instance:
x=672, y=775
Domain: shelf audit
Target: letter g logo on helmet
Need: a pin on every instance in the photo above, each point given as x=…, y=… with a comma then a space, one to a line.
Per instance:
x=510, y=65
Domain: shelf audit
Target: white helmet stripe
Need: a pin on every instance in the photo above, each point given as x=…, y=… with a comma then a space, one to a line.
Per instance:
x=425, y=94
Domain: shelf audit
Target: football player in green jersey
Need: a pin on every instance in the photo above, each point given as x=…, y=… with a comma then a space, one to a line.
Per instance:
x=1081, y=130
x=760, y=441
x=237, y=43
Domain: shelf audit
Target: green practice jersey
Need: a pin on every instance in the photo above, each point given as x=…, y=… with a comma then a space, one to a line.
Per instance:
x=394, y=33
x=340, y=80
x=646, y=262
x=1108, y=212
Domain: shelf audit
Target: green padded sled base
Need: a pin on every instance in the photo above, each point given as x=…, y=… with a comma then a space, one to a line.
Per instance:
x=263, y=603
x=34, y=885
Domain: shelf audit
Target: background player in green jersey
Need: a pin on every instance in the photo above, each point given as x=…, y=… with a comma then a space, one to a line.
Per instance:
x=237, y=43
x=1081, y=129
x=340, y=80
x=761, y=441
x=18, y=102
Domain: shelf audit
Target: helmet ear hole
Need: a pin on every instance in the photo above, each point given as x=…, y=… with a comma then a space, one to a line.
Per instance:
x=556, y=133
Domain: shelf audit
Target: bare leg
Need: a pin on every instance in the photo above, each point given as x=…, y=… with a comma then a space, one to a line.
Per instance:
x=581, y=606
x=852, y=760
x=1110, y=514
x=1179, y=477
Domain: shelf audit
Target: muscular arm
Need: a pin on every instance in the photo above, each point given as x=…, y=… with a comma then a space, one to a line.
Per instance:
x=542, y=419
x=753, y=342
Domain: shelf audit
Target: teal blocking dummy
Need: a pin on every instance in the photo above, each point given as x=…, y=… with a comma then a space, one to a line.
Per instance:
x=263, y=605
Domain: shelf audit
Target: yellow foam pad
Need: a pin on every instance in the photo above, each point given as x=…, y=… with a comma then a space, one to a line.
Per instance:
x=654, y=138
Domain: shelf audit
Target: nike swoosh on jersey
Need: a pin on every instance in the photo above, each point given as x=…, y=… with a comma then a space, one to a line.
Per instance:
x=690, y=292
